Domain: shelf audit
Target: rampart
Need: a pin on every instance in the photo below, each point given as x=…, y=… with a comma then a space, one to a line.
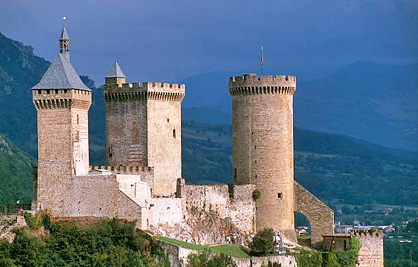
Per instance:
x=320, y=216
x=146, y=90
x=267, y=84
x=146, y=173
x=99, y=196
x=234, y=202
x=62, y=98
x=371, y=251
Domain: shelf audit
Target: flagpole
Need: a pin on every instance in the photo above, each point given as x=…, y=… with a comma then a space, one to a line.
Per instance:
x=261, y=60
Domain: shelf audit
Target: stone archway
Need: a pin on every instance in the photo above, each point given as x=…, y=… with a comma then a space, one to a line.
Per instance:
x=319, y=215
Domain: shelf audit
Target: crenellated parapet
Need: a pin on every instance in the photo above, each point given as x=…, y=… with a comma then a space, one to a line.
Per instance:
x=124, y=169
x=251, y=84
x=61, y=98
x=144, y=91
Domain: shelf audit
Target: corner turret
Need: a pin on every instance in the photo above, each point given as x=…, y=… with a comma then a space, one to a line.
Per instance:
x=115, y=75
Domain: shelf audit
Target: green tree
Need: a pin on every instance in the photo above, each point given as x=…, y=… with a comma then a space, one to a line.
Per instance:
x=263, y=243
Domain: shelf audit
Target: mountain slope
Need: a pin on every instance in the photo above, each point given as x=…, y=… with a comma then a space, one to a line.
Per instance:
x=333, y=167
x=15, y=173
x=374, y=102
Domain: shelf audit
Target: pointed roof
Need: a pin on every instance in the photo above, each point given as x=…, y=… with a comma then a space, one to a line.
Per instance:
x=61, y=75
x=64, y=34
x=115, y=72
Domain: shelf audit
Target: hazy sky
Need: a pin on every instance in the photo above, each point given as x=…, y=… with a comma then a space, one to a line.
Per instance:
x=173, y=39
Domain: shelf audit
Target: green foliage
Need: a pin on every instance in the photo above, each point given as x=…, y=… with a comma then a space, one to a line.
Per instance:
x=401, y=254
x=256, y=194
x=210, y=260
x=330, y=259
x=109, y=243
x=263, y=243
x=229, y=250
x=34, y=222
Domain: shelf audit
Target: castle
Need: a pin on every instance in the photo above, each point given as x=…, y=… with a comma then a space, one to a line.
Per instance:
x=143, y=181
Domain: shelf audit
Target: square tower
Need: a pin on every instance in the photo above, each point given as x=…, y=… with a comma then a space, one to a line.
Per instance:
x=143, y=127
x=62, y=102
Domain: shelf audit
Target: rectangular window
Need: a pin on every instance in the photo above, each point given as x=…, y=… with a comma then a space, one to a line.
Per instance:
x=279, y=195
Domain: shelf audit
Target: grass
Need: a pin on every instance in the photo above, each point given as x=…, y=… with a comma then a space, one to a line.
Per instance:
x=234, y=251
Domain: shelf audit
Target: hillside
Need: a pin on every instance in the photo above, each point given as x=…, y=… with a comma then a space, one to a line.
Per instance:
x=15, y=173
x=333, y=167
x=370, y=101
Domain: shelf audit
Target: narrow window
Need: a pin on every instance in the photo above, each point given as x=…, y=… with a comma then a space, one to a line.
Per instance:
x=255, y=176
x=255, y=161
x=110, y=152
x=174, y=133
x=345, y=245
x=279, y=195
x=168, y=120
x=235, y=173
x=78, y=119
x=255, y=147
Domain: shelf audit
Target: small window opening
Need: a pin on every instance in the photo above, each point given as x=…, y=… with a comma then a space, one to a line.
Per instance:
x=255, y=161
x=168, y=120
x=78, y=119
x=255, y=176
x=110, y=152
x=174, y=133
x=280, y=195
x=255, y=147
x=235, y=173
x=252, y=133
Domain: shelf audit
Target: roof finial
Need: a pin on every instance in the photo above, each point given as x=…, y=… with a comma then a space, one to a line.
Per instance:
x=64, y=39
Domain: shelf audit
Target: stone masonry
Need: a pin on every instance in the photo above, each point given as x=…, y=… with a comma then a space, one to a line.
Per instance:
x=320, y=216
x=143, y=179
x=262, y=145
x=371, y=251
x=143, y=126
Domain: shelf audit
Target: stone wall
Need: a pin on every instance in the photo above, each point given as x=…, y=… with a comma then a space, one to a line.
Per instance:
x=285, y=261
x=320, y=216
x=262, y=145
x=126, y=132
x=371, y=251
x=99, y=196
x=166, y=211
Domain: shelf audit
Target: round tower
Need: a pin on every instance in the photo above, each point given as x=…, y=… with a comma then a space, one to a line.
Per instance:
x=262, y=145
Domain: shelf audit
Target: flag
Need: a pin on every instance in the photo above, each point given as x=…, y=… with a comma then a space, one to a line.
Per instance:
x=261, y=57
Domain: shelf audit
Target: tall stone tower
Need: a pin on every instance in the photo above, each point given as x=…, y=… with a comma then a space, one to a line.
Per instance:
x=62, y=102
x=143, y=127
x=262, y=145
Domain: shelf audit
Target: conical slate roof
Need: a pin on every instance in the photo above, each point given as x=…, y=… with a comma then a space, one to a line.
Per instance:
x=61, y=75
x=115, y=72
x=64, y=34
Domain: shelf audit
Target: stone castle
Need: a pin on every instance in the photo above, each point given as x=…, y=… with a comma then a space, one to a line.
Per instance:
x=143, y=180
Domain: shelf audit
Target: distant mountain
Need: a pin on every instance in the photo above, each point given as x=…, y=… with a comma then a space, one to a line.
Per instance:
x=374, y=102
x=15, y=173
x=20, y=69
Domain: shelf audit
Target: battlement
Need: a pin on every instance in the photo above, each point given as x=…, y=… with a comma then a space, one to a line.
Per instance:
x=146, y=90
x=367, y=233
x=124, y=169
x=146, y=87
x=61, y=98
x=266, y=84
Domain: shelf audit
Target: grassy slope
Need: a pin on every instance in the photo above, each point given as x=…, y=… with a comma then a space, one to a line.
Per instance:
x=234, y=251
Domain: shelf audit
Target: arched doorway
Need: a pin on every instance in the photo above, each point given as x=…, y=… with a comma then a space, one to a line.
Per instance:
x=303, y=229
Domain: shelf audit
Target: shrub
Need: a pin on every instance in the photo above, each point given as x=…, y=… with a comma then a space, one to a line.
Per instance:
x=256, y=194
x=208, y=260
x=263, y=243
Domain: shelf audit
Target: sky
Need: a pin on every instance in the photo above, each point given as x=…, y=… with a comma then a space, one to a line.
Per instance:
x=169, y=40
